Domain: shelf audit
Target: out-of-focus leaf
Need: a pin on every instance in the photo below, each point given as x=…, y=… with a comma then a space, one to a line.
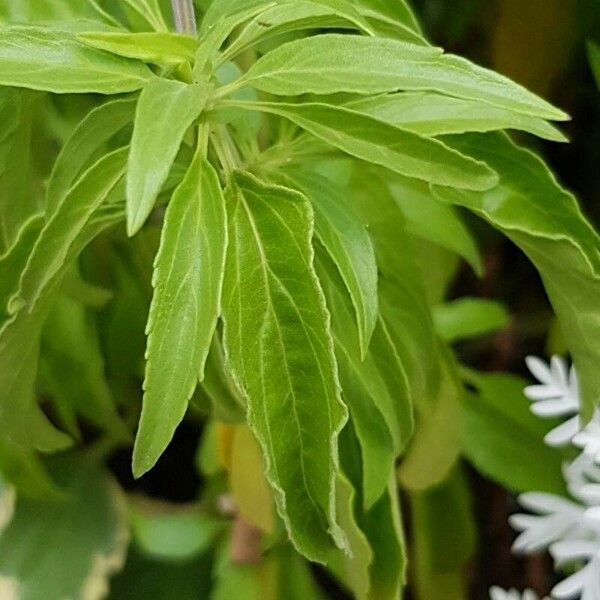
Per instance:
x=436, y=445
x=64, y=225
x=252, y=494
x=97, y=128
x=594, y=56
x=36, y=563
x=445, y=539
x=171, y=532
x=504, y=440
x=430, y=219
x=469, y=317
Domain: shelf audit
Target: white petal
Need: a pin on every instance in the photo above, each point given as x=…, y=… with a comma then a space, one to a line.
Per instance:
x=543, y=392
x=561, y=435
x=554, y=408
x=560, y=373
x=543, y=503
x=539, y=369
x=571, y=586
x=573, y=550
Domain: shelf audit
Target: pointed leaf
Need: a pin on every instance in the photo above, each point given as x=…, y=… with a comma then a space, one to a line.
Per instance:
x=331, y=63
x=187, y=280
x=348, y=244
x=95, y=129
x=545, y=221
x=433, y=114
x=278, y=342
x=54, y=61
x=64, y=225
x=366, y=138
x=151, y=47
x=165, y=111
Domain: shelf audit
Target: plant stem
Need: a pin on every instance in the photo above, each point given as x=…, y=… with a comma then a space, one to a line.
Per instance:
x=184, y=16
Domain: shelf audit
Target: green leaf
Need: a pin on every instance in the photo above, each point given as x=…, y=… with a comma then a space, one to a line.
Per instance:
x=594, y=57
x=36, y=563
x=469, y=317
x=144, y=578
x=297, y=16
x=436, y=445
x=351, y=568
x=398, y=10
x=63, y=226
x=366, y=138
x=162, y=48
x=431, y=220
x=445, y=539
x=279, y=346
x=13, y=261
x=403, y=302
x=228, y=403
x=375, y=389
x=545, y=221
x=504, y=440
x=349, y=245
x=19, y=192
x=95, y=130
x=150, y=11
x=54, y=61
x=370, y=402
x=433, y=114
x=331, y=63
x=73, y=368
x=171, y=532
x=187, y=279
x=156, y=140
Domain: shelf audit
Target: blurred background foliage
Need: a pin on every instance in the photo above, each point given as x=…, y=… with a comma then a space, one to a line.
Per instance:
x=544, y=45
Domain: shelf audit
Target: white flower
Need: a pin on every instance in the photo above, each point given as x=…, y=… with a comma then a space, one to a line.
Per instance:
x=585, y=582
x=588, y=438
x=556, y=395
x=497, y=593
x=556, y=519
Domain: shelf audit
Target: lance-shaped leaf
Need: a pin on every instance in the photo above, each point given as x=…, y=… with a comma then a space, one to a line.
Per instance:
x=279, y=345
x=431, y=220
x=91, y=517
x=398, y=10
x=444, y=539
x=187, y=278
x=469, y=317
x=504, y=440
x=165, y=111
x=364, y=137
x=349, y=245
x=545, y=221
x=64, y=225
x=162, y=48
x=374, y=387
x=297, y=16
x=434, y=114
x=150, y=10
x=54, y=61
x=331, y=63
x=95, y=129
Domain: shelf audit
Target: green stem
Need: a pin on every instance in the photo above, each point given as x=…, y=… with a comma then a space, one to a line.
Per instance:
x=184, y=16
